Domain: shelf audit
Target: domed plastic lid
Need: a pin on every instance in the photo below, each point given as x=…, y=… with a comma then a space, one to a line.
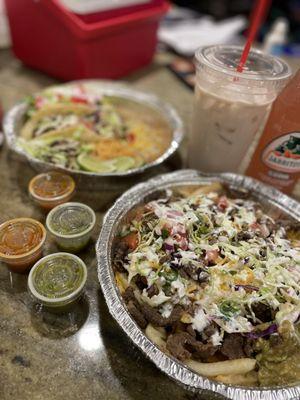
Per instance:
x=71, y=220
x=57, y=278
x=259, y=65
x=51, y=186
x=20, y=237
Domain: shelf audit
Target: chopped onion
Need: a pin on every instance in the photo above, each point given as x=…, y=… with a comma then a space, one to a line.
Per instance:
x=258, y=334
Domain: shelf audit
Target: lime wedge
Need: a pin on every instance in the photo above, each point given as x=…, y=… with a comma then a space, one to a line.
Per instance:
x=124, y=163
x=93, y=164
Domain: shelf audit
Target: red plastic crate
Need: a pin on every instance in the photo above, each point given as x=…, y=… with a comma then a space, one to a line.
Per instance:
x=117, y=12
x=50, y=38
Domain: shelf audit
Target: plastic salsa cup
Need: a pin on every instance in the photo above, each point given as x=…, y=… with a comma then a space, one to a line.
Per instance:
x=51, y=189
x=71, y=224
x=57, y=281
x=21, y=243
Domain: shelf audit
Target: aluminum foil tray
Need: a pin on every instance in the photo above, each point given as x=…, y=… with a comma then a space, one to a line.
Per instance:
x=15, y=116
x=269, y=197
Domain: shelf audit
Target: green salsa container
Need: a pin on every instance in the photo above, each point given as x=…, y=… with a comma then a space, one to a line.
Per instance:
x=71, y=224
x=57, y=281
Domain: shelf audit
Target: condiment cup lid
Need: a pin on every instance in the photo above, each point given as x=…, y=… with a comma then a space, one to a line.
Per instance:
x=66, y=206
x=56, y=300
x=35, y=248
x=46, y=175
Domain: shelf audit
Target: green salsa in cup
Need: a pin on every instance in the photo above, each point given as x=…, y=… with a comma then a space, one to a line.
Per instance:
x=57, y=280
x=71, y=225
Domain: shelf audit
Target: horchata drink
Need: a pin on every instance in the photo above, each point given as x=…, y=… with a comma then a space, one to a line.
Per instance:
x=231, y=107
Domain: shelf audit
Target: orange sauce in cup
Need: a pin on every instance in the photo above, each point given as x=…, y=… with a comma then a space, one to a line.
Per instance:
x=51, y=189
x=21, y=241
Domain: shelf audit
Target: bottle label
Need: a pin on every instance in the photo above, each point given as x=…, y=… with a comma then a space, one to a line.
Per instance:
x=283, y=153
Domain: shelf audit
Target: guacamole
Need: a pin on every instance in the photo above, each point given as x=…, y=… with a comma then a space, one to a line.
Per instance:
x=279, y=360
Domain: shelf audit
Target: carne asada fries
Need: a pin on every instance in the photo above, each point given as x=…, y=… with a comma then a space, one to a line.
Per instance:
x=215, y=282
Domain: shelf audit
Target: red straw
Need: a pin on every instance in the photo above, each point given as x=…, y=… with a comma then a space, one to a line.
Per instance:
x=258, y=13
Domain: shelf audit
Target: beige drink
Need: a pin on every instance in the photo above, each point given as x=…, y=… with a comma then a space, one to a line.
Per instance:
x=230, y=107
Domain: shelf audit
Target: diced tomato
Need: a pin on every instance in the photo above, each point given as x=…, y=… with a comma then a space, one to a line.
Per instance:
x=131, y=137
x=178, y=233
x=262, y=228
x=254, y=226
x=287, y=153
x=222, y=203
x=211, y=255
x=181, y=241
x=89, y=125
x=78, y=99
x=39, y=101
x=131, y=240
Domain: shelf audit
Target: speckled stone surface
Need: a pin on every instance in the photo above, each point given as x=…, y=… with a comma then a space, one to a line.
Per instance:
x=84, y=354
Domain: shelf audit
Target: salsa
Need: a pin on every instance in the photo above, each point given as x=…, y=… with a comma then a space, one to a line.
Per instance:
x=20, y=236
x=70, y=219
x=58, y=276
x=279, y=361
x=51, y=185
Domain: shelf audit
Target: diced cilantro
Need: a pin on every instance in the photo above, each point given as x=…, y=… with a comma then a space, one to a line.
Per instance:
x=164, y=233
x=29, y=100
x=229, y=308
x=264, y=290
x=170, y=275
x=167, y=289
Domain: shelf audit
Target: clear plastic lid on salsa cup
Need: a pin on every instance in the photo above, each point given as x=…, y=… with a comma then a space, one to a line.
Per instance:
x=57, y=280
x=51, y=188
x=21, y=241
x=71, y=224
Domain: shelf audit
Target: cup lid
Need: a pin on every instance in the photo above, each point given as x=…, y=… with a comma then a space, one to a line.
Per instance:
x=70, y=220
x=21, y=237
x=51, y=186
x=57, y=278
x=259, y=65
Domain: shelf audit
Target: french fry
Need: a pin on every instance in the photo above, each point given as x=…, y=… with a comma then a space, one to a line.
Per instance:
x=215, y=187
x=156, y=336
x=250, y=379
x=194, y=190
x=228, y=367
x=186, y=318
x=121, y=280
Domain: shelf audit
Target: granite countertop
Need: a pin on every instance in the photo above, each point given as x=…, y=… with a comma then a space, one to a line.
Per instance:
x=84, y=354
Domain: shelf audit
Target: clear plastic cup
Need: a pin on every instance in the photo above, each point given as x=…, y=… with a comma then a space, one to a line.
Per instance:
x=50, y=189
x=57, y=281
x=230, y=107
x=21, y=243
x=71, y=225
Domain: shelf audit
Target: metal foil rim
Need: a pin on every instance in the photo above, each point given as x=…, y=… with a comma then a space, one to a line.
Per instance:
x=173, y=368
x=15, y=114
